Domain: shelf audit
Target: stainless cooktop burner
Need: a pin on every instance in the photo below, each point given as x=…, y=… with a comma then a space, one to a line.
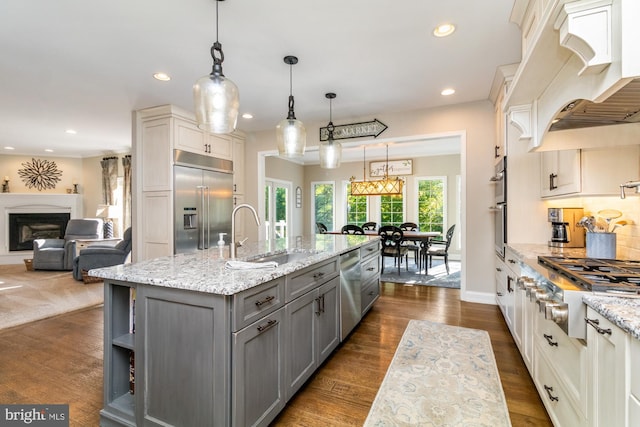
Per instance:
x=599, y=275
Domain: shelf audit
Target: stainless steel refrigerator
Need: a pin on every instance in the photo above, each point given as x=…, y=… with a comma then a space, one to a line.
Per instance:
x=203, y=201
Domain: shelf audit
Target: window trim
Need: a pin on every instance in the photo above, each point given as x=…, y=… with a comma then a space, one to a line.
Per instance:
x=313, y=204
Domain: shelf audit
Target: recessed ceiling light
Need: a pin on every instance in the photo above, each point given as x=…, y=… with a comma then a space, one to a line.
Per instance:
x=163, y=77
x=71, y=131
x=9, y=148
x=447, y=92
x=247, y=116
x=48, y=150
x=444, y=30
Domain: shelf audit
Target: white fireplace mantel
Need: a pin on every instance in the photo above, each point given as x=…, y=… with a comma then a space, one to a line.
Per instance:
x=32, y=203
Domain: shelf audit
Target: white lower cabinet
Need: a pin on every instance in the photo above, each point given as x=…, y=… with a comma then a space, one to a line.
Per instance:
x=608, y=362
x=634, y=383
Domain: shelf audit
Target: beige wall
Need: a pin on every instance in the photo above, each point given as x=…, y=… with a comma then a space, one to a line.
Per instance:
x=282, y=170
x=71, y=169
x=475, y=124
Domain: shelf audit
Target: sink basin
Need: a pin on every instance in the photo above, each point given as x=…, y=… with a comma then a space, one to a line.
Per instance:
x=283, y=257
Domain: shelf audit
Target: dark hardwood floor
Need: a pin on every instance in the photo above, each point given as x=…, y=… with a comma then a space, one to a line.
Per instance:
x=59, y=360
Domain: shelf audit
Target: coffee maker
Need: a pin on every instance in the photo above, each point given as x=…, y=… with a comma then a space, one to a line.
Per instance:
x=565, y=232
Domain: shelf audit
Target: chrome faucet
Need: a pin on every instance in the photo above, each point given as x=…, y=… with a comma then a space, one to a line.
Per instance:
x=629, y=184
x=233, y=245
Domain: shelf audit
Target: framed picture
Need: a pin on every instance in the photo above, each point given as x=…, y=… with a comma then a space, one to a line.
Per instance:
x=298, y=197
x=392, y=168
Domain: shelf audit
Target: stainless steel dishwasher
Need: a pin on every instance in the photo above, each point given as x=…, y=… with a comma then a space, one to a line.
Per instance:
x=350, y=305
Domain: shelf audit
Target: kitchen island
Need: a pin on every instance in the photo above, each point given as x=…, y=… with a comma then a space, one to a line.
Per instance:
x=190, y=342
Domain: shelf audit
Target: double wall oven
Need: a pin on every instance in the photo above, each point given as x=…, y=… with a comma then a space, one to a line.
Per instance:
x=499, y=180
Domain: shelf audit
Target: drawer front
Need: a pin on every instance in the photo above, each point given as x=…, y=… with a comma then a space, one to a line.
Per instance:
x=370, y=268
x=556, y=399
x=301, y=282
x=369, y=294
x=568, y=354
x=254, y=303
x=370, y=250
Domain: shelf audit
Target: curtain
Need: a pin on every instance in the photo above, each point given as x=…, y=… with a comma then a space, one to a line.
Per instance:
x=126, y=209
x=109, y=179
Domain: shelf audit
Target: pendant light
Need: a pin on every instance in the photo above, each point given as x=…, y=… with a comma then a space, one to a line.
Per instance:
x=381, y=187
x=330, y=150
x=290, y=132
x=215, y=97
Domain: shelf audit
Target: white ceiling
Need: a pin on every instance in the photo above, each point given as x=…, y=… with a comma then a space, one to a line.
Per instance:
x=86, y=65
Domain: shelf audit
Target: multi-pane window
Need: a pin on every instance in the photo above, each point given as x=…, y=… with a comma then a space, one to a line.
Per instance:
x=323, y=201
x=392, y=210
x=431, y=203
x=356, y=208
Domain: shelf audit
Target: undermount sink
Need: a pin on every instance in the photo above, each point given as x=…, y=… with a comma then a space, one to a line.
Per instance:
x=283, y=257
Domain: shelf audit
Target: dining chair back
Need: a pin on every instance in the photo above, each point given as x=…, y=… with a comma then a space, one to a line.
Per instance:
x=413, y=246
x=440, y=248
x=351, y=229
x=392, y=246
x=369, y=226
x=321, y=228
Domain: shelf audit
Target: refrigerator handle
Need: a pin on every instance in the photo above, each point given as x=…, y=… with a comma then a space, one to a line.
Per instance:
x=207, y=220
x=201, y=219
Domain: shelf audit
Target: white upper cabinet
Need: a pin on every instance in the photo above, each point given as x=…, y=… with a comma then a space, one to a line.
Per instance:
x=560, y=173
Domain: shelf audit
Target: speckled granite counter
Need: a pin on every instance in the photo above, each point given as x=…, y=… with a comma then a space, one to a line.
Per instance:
x=441, y=375
x=624, y=312
x=532, y=251
x=205, y=271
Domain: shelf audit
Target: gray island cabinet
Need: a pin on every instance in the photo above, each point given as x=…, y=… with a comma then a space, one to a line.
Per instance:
x=189, y=342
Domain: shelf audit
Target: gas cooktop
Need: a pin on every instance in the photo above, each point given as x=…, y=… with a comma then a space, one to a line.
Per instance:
x=597, y=275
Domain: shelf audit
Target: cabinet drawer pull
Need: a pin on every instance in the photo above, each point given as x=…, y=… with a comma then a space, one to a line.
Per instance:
x=318, y=275
x=320, y=302
x=549, y=390
x=498, y=269
x=549, y=339
x=265, y=301
x=595, y=323
x=271, y=323
x=371, y=269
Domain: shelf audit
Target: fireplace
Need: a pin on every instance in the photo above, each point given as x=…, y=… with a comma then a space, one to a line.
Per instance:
x=24, y=228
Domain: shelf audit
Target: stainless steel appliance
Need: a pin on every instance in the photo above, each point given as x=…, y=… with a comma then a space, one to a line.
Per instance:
x=500, y=208
x=350, y=299
x=203, y=200
x=565, y=232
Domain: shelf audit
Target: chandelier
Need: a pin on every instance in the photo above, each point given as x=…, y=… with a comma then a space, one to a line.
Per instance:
x=381, y=187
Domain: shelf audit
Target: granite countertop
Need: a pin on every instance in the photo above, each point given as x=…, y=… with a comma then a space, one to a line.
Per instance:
x=205, y=270
x=532, y=251
x=624, y=312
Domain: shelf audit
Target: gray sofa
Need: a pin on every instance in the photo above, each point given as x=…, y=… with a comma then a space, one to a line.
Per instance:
x=58, y=254
x=98, y=256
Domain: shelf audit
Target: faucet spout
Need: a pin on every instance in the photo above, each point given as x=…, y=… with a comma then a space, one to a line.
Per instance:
x=233, y=245
x=629, y=184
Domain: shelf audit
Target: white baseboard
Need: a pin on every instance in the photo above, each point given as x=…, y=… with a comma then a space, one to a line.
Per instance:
x=479, y=297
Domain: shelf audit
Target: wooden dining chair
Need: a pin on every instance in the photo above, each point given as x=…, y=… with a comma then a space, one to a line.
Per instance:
x=440, y=248
x=392, y=246
x=351, y=229
x=321, y=228
x=370, y=226
x=409, y=244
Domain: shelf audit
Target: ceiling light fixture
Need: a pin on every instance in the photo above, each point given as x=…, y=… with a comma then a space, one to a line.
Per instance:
x=330, y=150
x=444, y=30
x=163, y=77
x=290, y=132
x=247, y=116
x=216, y=98
x=447, y=92
x=48, y=150
x=71, y=131
x=9, y=148
x=384, y=186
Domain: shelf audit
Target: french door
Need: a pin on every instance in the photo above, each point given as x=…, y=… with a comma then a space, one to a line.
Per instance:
x=277, y=200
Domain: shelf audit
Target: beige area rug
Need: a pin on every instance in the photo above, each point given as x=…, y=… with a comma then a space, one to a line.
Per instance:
x=26, y=296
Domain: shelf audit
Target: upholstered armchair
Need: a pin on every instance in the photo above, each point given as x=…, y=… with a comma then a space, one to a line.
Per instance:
x=98, y=256
x=58, y=254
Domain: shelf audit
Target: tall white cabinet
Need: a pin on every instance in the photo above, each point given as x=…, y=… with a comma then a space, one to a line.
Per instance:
x=157, y=131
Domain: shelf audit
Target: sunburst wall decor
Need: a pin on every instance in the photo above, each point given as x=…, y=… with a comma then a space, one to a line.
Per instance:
x=40, y=174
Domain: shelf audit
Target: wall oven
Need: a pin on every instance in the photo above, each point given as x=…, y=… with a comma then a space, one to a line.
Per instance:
x=499, y=180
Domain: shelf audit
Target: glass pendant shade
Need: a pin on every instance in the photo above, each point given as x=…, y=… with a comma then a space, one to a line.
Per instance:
x=292, y=138
x=217, y=102
x=330, y=154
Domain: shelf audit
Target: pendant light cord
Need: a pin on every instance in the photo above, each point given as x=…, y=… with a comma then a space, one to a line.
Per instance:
x=216, y=51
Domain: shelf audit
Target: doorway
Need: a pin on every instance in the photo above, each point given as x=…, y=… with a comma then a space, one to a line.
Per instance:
x=277, y=209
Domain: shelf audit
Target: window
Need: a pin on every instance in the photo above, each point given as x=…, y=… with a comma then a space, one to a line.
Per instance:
x=431, y=203
x=356, y=208
x=392, y=210
x=323, y=201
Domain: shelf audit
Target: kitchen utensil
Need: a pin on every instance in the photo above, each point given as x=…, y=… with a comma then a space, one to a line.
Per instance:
x=608, y=215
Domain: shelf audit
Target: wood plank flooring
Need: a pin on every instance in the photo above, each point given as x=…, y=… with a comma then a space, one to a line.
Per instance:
x=59, y=360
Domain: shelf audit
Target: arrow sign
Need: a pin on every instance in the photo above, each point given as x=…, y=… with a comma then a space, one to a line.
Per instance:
x=354, y=130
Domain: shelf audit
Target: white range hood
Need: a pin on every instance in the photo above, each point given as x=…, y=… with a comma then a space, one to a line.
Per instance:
x=572, y=50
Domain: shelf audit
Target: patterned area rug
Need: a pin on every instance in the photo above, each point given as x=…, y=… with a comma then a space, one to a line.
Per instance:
x=437, y=275
x=26, y=296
